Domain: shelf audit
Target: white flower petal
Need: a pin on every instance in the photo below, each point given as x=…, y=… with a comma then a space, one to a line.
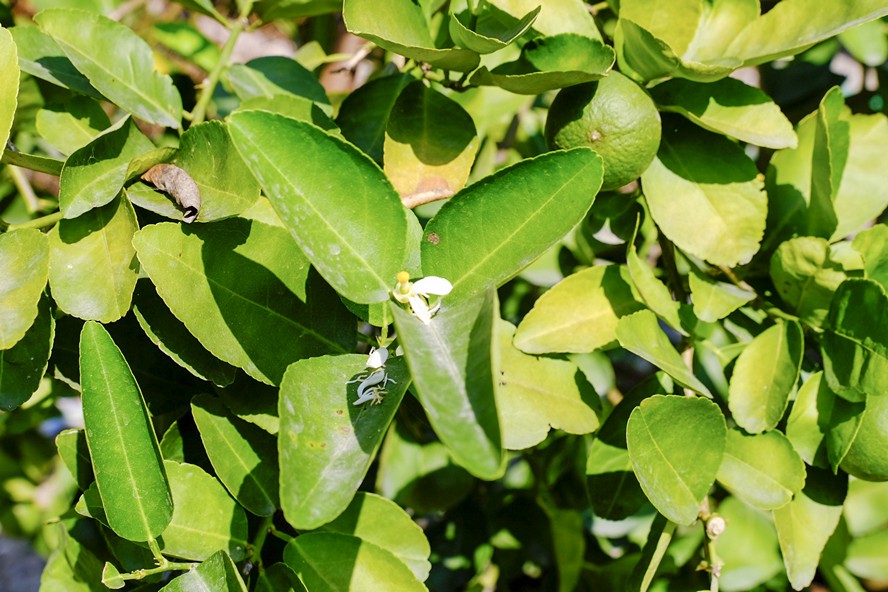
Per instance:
x=432, y=285
x=420, y=309
x=377, y=358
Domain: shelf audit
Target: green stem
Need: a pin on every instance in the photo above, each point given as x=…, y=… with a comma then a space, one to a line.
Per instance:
x=596, y=8
x=264, y=527
x=43, y=222
x=206, y=94
x=41, y=164
x=280, y=535
x=25, y=189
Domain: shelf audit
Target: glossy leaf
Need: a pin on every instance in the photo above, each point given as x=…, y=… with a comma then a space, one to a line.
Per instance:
x=274, y=75
x=344, y=224
x=133, y=84
x=487, y=31
x=872, y=244
x=403, y=29
x=545, y=197
x=380, y=521
x=831, y=142
x=809, y=419
x=653, y=292
x=218, y=572
x=39, y=55
x=122, y=445
x=658, y=539
x=556, y=16
x=534, y=394
x=171, y=336
x=430, y=145
x=364, y=113
x=855, y=350
x=92, y=264
x=95, y=174
x=729, y=107
x=326, y=443
x=73, y=125
x=22, y=366
x=24, y=269
x=205, y=519
x=9, y=83
x=550, y=63
x=289, y=9
x=806, y=523
x=716, y=300
x=806, y=275
x=243, y=455
x=294, y=107
x=450, y=361
x=226, y=185
x=676, y=461
x=704, y=195
x=580, y=313
x=641, y=334
x=764, y=377
x=213, y=276
x=74, y=452
x=763, y=470
x=278, y=577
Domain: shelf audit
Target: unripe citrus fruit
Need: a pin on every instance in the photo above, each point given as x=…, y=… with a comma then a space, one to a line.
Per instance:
x=867, y=458
x=614, y=117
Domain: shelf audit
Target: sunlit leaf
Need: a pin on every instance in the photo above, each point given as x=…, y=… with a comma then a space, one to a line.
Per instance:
x=9, y=83
x=72, y=125
x=763, y=470
x=487, y=31
x=218, y=572
x=24, y=269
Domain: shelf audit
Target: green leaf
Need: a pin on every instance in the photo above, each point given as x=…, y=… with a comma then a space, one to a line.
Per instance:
x=274, y=75
x=22, y=366
x=534, y=393
x=831, y=143
x=653, y=292
x=9, y=83
x=95, y=174
x=450, y=361
x=42, y=57
x=92, y=264
x=24, y=269
x=764, y=470
x=676, y=446
x=326, y=443
x=808, y=420
x=854, y=347
x=271, y=10
x=430, y=145
x=226, y=185
x=867, y=43
x=333, y=562
x=218, y=572
x=72, y=125
x=403, y=29
x=872, y=244
x=795, y=25
x=641, y=334
x=716, y=300
x=294, y=107
x=364, y=113
x=704, y=195
x=867, y=556
x=729, y=107
x=243, y=455
x=658, y=539
x=205, y=519
x=535, y=203
x=806, y=523
x=490, y=29
x=806, y=274
x=845, y=420
x=764, y=377
x=42, y=164
x=171, y=336
x=335, y=201
x=550, y=63
x=74, y=452
x=748, y=546
x=213, y=277
x=278, y=577
x=375, y=519
x=556, y=16
x=122, y=445
x=133, y=83
x=206, y=7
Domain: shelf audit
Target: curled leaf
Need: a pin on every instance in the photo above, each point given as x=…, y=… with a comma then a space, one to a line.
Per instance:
x=179, y=185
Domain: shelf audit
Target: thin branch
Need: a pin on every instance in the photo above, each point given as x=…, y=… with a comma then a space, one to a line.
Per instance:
x=198, y=114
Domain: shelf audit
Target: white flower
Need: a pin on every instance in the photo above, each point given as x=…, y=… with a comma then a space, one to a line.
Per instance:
x=417, y=293
x=370, y=388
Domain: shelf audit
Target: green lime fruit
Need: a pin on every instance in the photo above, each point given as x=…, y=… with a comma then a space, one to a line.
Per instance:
x=614, y=117
x=868, y=456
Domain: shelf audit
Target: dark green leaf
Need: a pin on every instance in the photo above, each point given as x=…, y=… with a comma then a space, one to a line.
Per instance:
x=278, y=577
x=42, y=57
x=243, y=455
x=345, y=215
x=92, y=264
x=22, y=366
x=73, y=451
x=24, y=269
x=676, y=446
x=450, y=360
x=326, y=443
x=535, y=203
x=123, y=447
x=364, y=113
x=274, y=75
x=214, y=276
x=133, y=83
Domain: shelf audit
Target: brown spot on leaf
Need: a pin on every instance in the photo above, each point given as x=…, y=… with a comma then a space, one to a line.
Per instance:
x=433, y=238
